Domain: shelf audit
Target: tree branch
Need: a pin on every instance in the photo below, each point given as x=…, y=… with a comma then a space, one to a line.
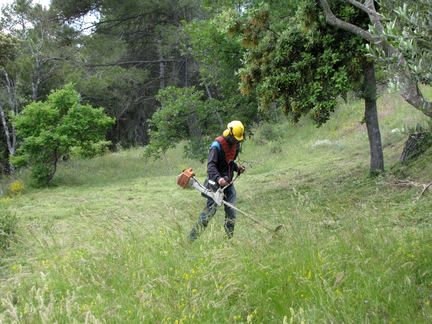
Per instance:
x=425, y=187
x=408, y=86
x=365, y=8
x=332, y=20
x=132, y=63
x=375, y=20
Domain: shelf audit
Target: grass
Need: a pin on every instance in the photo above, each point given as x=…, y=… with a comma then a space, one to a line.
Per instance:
x=108, y=243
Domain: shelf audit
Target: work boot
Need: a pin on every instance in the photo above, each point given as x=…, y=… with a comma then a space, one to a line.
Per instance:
x=193, y=234
x=229, y=227
x=199, y=227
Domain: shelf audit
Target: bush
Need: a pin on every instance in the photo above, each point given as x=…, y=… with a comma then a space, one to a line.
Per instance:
x=267, y=133
x=51, y=129
x=91, y=150
x=8, y=226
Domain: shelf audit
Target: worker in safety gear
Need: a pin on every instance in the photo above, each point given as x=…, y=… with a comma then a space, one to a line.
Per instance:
x=220, y=170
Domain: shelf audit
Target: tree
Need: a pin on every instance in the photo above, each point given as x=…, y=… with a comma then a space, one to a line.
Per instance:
x=407, y=26
x=37, y=65
x=184, y=116
x=8, y=49
x=398, y=52
x=303, y=65
x=219, y=56
x=51, y=129
x=45, y=45
x=153, y=42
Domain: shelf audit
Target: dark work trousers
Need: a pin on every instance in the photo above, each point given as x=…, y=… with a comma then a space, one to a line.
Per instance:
x=210, y=210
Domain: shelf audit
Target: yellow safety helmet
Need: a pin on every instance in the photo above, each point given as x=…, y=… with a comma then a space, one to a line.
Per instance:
x=236, y=129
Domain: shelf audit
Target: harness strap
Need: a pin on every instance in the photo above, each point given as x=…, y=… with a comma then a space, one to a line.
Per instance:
x=229, y=152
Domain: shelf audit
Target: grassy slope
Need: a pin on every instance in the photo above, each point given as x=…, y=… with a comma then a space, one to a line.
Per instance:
x=108, y=243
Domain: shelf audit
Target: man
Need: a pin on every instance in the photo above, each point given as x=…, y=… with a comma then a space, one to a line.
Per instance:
x=220, y=169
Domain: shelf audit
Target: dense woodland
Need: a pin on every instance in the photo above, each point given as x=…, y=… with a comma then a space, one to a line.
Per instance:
x=167, y=71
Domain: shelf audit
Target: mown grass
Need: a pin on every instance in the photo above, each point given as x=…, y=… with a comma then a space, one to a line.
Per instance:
x=108, y=242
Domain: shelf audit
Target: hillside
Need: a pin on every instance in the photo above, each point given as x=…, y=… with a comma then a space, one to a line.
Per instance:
x=108, y=243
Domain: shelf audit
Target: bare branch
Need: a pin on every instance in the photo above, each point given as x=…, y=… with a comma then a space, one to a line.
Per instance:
x=425, y=187
x=7, y=134
x=375, y=20
x=332, y=20
x=47, y=59
x=365, y=8
x=133, y=63
x=409, y=87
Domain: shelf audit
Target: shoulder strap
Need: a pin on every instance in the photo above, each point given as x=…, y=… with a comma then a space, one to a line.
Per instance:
x=230, y=152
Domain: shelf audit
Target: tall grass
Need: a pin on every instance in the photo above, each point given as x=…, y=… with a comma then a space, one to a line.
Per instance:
x=108, y=242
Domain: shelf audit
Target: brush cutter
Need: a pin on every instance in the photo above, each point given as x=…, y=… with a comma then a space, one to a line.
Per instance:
x=187, y=180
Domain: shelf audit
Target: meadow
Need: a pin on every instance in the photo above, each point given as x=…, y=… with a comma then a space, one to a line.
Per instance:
x=107, y=243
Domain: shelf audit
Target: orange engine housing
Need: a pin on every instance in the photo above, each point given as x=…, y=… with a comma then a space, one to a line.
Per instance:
x=184, y=177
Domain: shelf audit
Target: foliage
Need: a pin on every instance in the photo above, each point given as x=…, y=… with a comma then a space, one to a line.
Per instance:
x=183, y=116
x=133, y=49
x=45, y=47
x=50, y=129
x=8, y=227
x=76, y=8
x=91, y=149
x=120, y=91
x=298, y=62
x=8, y=51
x=219, y=57
x=407, y=26
x=8, y=45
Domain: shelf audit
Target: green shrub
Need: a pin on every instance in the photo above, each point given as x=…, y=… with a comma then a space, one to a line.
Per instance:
x=91, y=149
x=49, y=130
x=269, y=133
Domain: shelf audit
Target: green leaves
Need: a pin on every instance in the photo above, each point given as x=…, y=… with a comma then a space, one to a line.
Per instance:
x=300, y=66
x=184, y=115
x=50, y=129
x=8, y=46
x=407, y=26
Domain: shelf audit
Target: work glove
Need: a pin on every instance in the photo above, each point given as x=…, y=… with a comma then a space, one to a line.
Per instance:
x=241, y=169
x=222, y=182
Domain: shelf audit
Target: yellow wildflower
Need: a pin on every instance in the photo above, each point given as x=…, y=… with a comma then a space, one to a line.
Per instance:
x=16, y=187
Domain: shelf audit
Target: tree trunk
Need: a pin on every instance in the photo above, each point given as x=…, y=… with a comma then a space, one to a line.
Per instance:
x=36, y=77
x=14, y=105
x=161, y=66
x=186, y=72
x=371, y=119
x=9, y=141
x=209, y=94
x=195, y=133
